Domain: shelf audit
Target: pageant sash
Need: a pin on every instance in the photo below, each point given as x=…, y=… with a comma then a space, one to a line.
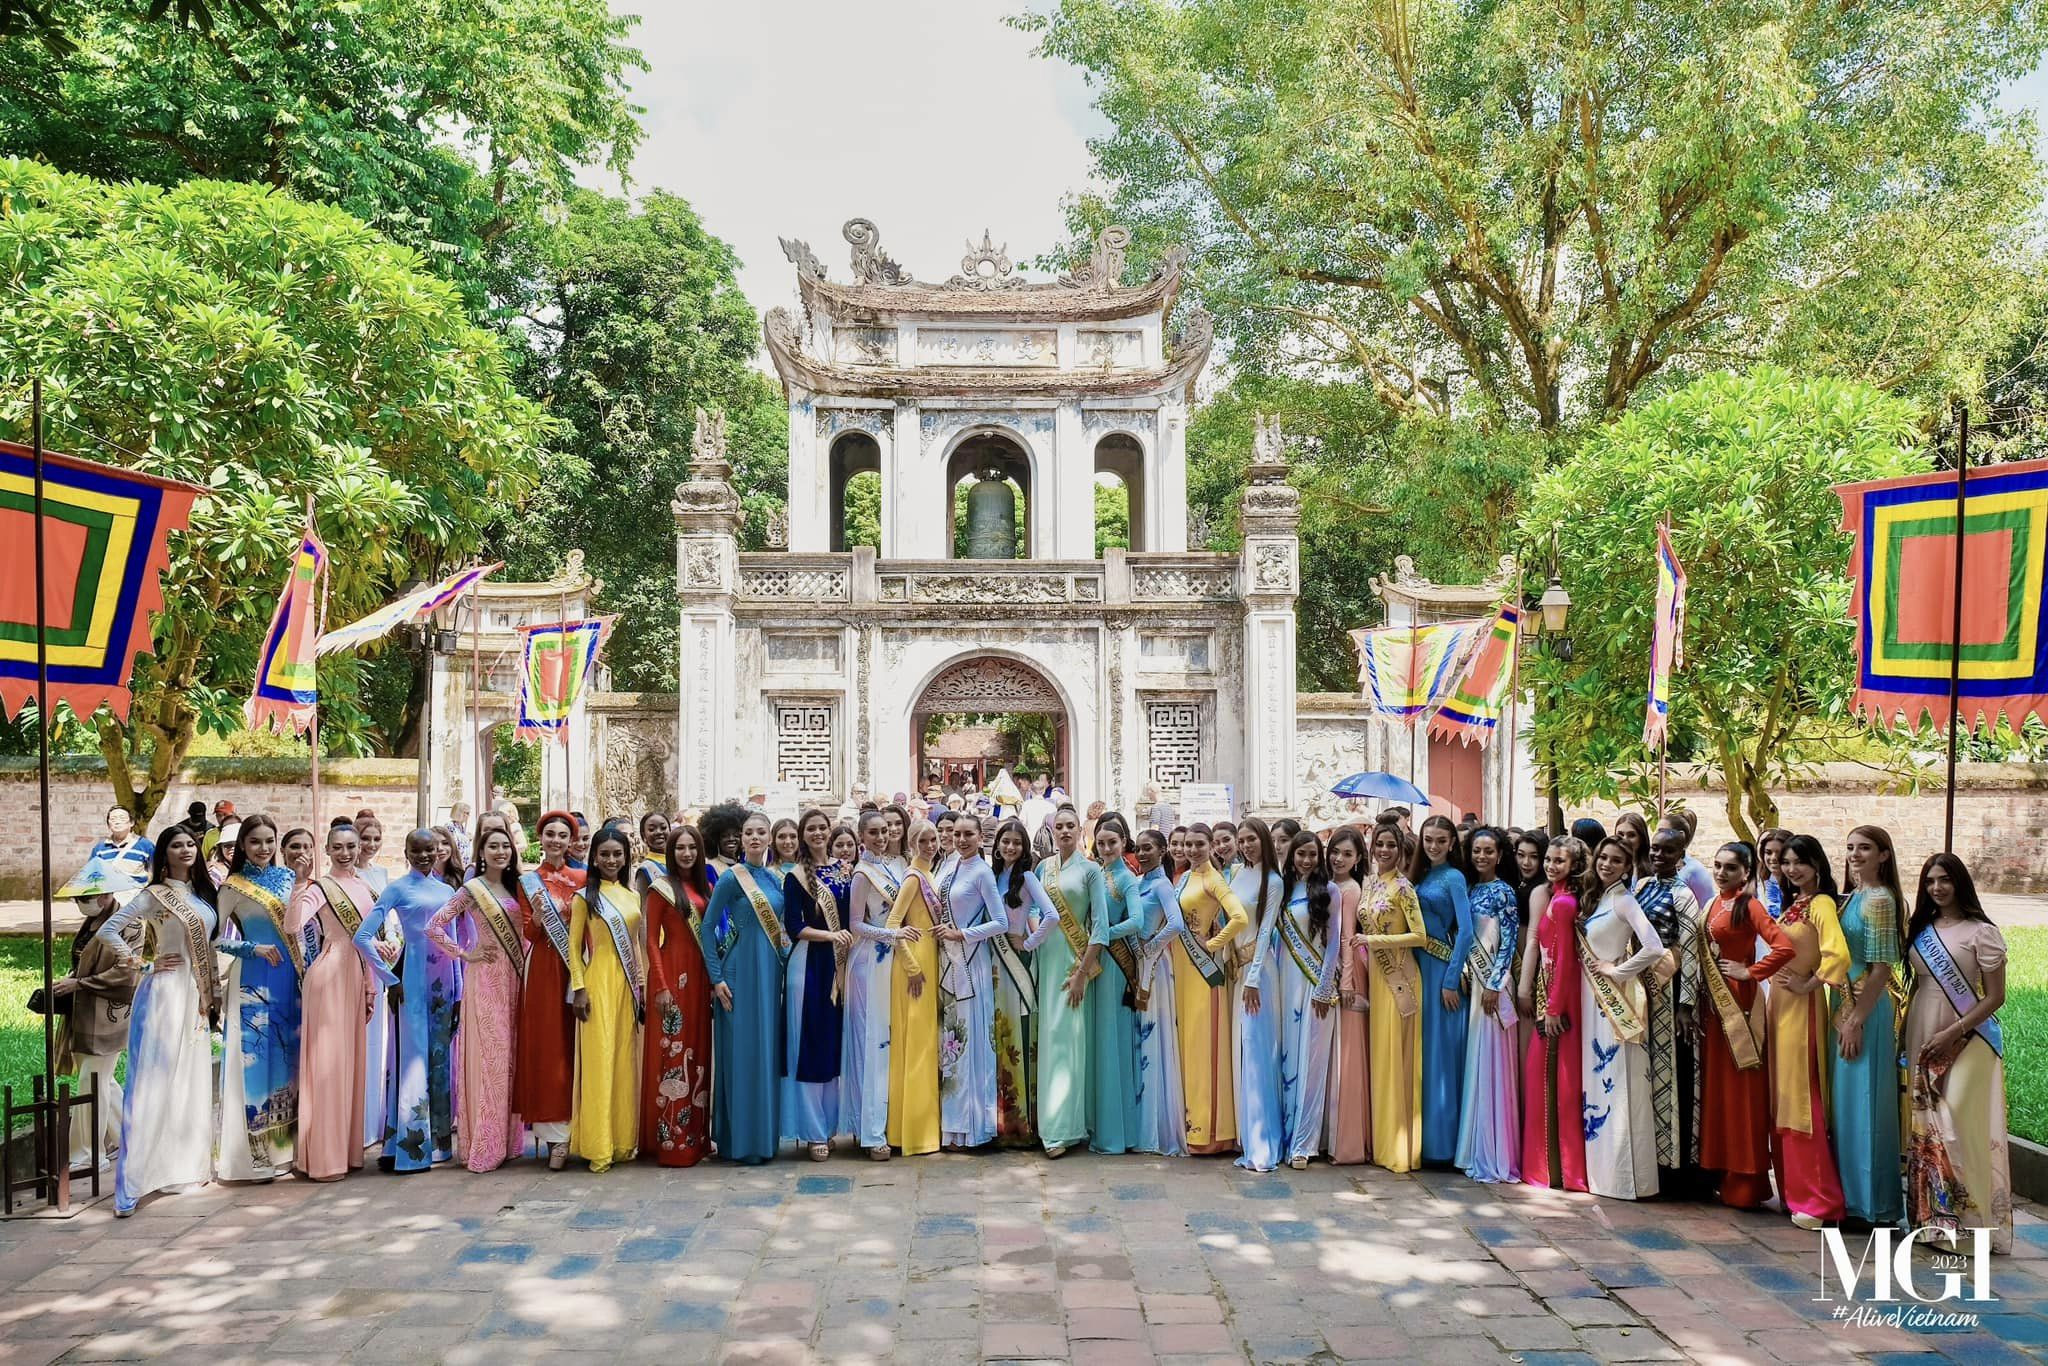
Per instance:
x=177, y=903
x=1300, y=950
x=552, y=922
x=669, y=890
x=827, y=902
x=1017, y=971
x=1198, y=952
x=1614, y=999
x=1439, y=949
x=492, y=912
x=622, y=939
x=1123, y=955
x=342, y=904
x=1962, y=997
x=1742, y=1038
x=1398, y=970
x=771, y=923
x=954, y=979
x=273, y=910
x=1070, y=924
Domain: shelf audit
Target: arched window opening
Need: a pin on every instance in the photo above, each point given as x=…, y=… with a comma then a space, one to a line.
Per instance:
x=856, y=454
x=988, y=487
x=1120, y=468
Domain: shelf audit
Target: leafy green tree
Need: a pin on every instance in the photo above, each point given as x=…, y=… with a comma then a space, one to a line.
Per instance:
x=864, y=510
x=1527, y=211
x=451, y=126
x=269, y=350
x=1373, y=487
x=1744, y=467
x=1112, y=517
x=638, y=320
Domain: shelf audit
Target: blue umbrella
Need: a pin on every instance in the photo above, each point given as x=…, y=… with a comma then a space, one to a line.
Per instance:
x=1385, y=786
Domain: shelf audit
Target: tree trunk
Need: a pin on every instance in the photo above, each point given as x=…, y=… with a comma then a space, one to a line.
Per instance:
x=171, y=726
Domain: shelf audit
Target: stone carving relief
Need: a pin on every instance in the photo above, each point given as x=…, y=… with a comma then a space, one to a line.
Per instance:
x=832, y=421
x=804, y=746
x=987, y=266
x=1325, y=751
x=1109, y=348
x=988, y=588
x=1172, y=583
x=808, y=585
x=1104, y=268
x=1273, y=567
x=700, y=565
x=868, y=346
x=974, y=346
x=790, y=652
x=799, y=254
x=639, y=760
x=706, y=501
x=936, y=424
x=776, y=536
x=1096, y=421
x=870, y=265
x=864, y=656
x=990, y=683
x=1173, y=743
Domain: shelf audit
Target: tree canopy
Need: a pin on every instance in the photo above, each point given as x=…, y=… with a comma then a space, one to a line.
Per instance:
x=1744, y=467
x=636, y=319
x=1526, y=212
x=267, y=349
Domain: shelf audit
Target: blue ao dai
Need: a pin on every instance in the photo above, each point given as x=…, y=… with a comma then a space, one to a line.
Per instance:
x=419, y=1091
x=1112, y=1029
x=1447, y=920
x=967, y=1003
x=1304, y=1011
x=1162, y=1109
x=746, y=1041
x=259, y=1077
x=1489, y=1132
x=864, y=1058
x=1261, y=1132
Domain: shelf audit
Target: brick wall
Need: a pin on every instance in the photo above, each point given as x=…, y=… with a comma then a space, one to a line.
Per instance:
x=79, y=797
x=2001, y=818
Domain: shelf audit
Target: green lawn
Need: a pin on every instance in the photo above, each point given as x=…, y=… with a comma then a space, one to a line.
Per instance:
x=2025, y=1020
x=21, y=1034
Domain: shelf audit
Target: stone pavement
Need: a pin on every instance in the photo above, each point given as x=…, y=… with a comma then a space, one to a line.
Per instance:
x=949, y=1259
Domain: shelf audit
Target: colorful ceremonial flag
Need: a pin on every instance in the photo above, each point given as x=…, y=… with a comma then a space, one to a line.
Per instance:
x=1903, y=599
x=419, y=603
x=554, y=673
x=1473, y=709
x=105, y=546
x=1667, y=639
x=287, y=688
x=1406, y=670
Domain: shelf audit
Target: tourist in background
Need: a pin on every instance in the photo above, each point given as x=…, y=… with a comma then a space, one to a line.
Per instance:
x=1553, y=1098
x=336, y=997
x=1114, y=981
x=1349, y=1107
x=914, y=1001
x=1801, y=1159
x=1741, y=946
x=1672, y=985
x=1303, y=955
x=96, y=998
x=1489, y=1126
x=1391, y=930
x=1437, y=873
x=607, y=985
x=815, y=915
x=483, y=927
x=1159, y=813
x=544, y=1079
x=259, y=1078
x=124, y=844
x=167, y=1112
x=1162, y=1109
x=1865, y=1068
x=1957, y=1175
x=870, y=971
x=1078, y=895
x=969, y=916
x=675, y=1083
x=1201, y=991
x=1618, y=944
x=1028, y=915
x=1254, y=1026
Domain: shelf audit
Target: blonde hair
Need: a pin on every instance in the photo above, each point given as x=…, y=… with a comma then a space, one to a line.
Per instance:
x=910, y=836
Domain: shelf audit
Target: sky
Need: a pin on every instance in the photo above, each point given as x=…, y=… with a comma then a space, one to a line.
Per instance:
x=785, y=118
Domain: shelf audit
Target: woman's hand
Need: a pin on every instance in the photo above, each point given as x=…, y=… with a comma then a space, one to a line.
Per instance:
x=1550, y=1026
x=269, y=954
x=1489, y=1003
x=1849, y=1039
x=843, y=938
x=387, y=951
x=1525, y=1004
x=723, y=995
x=952, y=934
x=485, y=952
x=916, y=987
x=910, y=934
x=1321, y=1008
x=580, y=1002
x=1077, y=989
x=1451, y=999
x=169, y=962
x=1251, y=1000
x=1733, y=971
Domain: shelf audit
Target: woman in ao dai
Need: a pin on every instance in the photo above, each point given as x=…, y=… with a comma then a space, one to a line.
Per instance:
x=1802, y=1160
x=1112, y=1027
x=1348, y=1109
x=1303, y=954
x=1202, y=990
x=1030, y=916
x=675, y=1072
x=483, y=927
x=870, y=974
x=814, y=913
x=1438, y=875
x=1390, y=931
x=1162, y=1111
x=1489, y=1136
x=259, y=1075
x=745, y=947
x=1618, y=944
x=167, y=1110
x=970, y=916
x=1261, y=1132
x=607, y=984
x=1079, y=896
x=914, y=1002
x=336, y=999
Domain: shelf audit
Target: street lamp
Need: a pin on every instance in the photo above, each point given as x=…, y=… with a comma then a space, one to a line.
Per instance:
x=1553, y=610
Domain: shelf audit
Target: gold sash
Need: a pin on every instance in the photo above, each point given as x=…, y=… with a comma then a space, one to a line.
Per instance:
x=274, y=911
x=199, y=944
x=1439, y=949
x=671, y=891
x=828, y=907
x=1736, y=1026
x=1792, y=1027
x=1121, y=953
x=492, y=913
x=1396, y=969
x=342, y=904
x=771, y=923
x=1615, y=999
x=1300, y=950
x=1070, y=924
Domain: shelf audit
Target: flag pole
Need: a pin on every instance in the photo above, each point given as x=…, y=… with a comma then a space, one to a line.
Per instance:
x=1955, y=645
x=1514, y=698
x=54, y=1160
x=313, y=726
x=1664, y=734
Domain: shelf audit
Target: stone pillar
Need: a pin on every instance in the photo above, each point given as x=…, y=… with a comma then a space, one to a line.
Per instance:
x=1270, y=578
x=1166, y=520
x=906, y=529
x=707, y=513
x=810, y=480
x=1068, y=529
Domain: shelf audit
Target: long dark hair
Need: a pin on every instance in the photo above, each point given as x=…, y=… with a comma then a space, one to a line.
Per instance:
x=1808, y=851
x=1635, y=822
x=803, y=850
x=198, y=879
x=1352, y=835
x=1263, y=836
x=1968, y=905
x=1317, y=882
x=1419, y=865
x=698, y=879
x=1013, y=895
x=1593, y=881
x=609, y=834
x=259, y=821
x=477, y=869
x=1504, y=848
x=1115, y=821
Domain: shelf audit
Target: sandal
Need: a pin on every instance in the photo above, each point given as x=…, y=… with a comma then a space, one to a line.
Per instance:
x=880, y=1154
x=1299, y=1164
x=821, y=1152
x=558, y=1156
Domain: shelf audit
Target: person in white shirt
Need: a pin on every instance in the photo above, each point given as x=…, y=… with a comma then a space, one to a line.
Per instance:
x=1037, y=808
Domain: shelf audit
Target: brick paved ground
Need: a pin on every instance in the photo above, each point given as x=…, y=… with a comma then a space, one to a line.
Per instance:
x=948, y=1259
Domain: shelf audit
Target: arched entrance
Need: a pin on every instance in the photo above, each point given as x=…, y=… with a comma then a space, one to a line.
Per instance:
x=981, y=714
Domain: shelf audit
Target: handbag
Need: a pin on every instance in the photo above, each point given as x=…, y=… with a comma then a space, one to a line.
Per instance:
x=38, y=1005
